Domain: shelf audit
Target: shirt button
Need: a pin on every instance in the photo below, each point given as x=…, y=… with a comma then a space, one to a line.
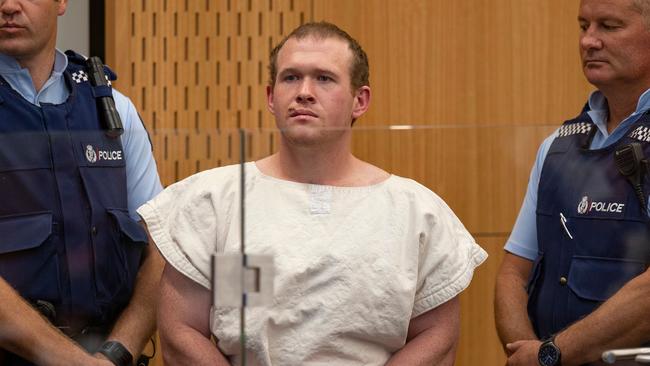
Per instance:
x=94, y=230
x=563, y=280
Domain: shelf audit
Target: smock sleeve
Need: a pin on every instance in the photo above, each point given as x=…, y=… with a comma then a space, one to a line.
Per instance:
x=448, y=254
x=184, y=221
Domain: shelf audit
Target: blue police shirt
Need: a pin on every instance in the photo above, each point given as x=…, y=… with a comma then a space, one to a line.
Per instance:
x=523, y=239
x=142, y=179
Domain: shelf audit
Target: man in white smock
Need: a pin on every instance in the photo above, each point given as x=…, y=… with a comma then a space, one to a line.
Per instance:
x=368, y=265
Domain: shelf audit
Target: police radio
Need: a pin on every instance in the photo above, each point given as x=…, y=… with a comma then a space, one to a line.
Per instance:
x=105, y=104
x=632, y=164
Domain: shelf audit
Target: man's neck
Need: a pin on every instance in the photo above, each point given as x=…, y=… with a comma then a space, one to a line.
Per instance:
x=621, y=103
x=39, y=66
x=314, y=164
x=318, y=165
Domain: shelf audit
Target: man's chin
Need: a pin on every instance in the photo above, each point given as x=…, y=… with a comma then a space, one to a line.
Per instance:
x=11, y=47
x=597, y=77
x=305, y=135
x=303, y=138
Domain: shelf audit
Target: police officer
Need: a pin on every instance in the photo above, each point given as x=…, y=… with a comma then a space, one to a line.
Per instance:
x=574, y=280
x=75, y=266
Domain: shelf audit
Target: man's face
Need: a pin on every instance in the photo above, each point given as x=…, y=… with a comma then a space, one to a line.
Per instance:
x=614, y=44
x=27, y=27
x=312, y=98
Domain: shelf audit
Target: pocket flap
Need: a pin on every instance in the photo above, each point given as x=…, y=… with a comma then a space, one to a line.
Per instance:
x=24, y=151
x=128, y=226
x=24, y=232
x=594, y=278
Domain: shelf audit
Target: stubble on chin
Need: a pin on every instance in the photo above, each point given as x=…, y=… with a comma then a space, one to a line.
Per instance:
x=301, y=136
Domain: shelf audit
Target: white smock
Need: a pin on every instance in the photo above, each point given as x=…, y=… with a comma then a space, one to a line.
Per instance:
x=353, y=265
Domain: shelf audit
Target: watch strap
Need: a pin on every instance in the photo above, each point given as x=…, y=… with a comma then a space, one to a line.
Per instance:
x=116, y=353
x=550, y=343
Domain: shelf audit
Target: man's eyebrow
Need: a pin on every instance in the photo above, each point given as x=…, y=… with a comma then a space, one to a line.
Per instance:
x=601, y=19
x=289, y=70
x=317, y=70
x=325, y=71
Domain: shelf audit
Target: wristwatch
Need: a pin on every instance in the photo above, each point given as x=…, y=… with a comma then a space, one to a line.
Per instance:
x=549, y=353
x=116, y=353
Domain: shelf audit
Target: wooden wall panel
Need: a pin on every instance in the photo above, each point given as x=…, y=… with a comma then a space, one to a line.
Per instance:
x=479, y=344
x=482, y=81
x=196, y=67
x=470, y=62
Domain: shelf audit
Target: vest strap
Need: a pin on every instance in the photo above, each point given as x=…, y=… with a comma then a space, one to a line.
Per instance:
x=101, y=91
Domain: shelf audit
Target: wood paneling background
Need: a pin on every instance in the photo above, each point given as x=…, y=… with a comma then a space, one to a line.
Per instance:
x=482, y=81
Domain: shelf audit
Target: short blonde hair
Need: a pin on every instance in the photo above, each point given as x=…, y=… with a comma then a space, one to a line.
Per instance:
x=643, y=6
x=359, y=68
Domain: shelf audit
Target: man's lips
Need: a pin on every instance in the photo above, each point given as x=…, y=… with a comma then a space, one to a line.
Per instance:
x=302, y=113
x=10, y=27
x=592, y=61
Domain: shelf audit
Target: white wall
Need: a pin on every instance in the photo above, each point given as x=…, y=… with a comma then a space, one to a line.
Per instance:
x=73, y=30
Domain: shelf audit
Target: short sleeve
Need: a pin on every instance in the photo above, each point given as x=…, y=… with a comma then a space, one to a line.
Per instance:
x=142, y=181
x=183, y=222
x=523, y=238
x=448, y=256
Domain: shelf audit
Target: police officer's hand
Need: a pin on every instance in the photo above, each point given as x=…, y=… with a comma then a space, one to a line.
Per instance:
x=101, y=362
x=88, y=360
x=523, y=353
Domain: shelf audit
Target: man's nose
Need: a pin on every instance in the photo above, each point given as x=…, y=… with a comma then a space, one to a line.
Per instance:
x=589, y=39
x=8, y=7
x=305, y=93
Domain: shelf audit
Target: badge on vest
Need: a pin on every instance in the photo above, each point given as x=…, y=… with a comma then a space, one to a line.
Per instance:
x=96, y=154
x=586, y=206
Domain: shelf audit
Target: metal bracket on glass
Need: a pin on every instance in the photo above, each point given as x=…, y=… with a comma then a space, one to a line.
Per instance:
x=639, y=355
x=242, y=280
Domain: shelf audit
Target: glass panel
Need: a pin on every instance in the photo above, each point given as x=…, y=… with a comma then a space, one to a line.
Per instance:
x=346, y=258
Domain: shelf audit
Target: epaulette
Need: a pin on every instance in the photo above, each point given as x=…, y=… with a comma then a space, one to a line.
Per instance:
x=641, y=133
x=575, y=128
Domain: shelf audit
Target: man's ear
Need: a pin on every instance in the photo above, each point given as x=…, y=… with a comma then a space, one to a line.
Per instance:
x=361, y=102
x=63, y=5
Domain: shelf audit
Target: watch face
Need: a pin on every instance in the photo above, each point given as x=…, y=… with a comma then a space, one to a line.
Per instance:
x=548, y=355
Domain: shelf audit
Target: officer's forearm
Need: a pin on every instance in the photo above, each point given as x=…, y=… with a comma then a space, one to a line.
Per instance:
x=621, y=322
x=137, y=322
x=25, y=332
x=510, y=300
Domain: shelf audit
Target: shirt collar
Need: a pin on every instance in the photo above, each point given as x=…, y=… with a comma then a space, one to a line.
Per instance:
x=60, y=63
x=9, y=64
x=54, y=91
x=599, y=111
x=597, y=102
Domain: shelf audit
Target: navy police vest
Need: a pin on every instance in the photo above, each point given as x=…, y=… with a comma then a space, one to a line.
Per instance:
x=65, y=232
x=592, y=231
